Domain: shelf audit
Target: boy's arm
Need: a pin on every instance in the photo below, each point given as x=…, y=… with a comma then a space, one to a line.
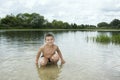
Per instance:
x=60, y=55
x=38, y=55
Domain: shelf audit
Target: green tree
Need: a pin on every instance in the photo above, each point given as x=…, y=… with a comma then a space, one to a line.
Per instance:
x=24, y=20
x=9, y=20
x=66, y=25
x=115, y=23
x=103, y=24
x=57, y=24
x=38, y=21
x=74, y=26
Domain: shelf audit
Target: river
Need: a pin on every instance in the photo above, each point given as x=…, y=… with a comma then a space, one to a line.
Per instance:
x=85, y=59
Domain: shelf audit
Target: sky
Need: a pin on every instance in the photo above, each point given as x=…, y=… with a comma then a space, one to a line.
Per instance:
x=71, y=11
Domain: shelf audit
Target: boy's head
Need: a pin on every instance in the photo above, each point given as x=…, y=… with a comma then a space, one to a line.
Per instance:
x=49, y=39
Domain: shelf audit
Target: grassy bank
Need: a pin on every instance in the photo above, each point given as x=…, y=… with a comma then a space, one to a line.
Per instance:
x=59, y=29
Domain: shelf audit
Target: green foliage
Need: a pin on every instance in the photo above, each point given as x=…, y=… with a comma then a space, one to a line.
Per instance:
x=58, y=24
x=115, y=23
x=103, y=24
x=34, y=20
x=9, y=20
x=24, y=20
x=107, y=39
x=103, y=38
x=116, y=38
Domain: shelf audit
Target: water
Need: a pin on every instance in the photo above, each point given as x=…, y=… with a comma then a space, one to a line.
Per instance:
x=85, y=59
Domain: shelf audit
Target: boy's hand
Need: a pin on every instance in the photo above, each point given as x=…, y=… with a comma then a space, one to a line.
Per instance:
x=36, y=62
x=62, y=61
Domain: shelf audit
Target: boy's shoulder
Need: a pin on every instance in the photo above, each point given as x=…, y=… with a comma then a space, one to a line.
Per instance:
x=41, y=47
x=55, y=46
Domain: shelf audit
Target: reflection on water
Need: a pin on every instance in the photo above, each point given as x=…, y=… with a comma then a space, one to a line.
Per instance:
x=85, y=60
x=50, y=72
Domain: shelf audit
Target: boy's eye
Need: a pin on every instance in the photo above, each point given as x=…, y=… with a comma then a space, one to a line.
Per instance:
x=48, y=40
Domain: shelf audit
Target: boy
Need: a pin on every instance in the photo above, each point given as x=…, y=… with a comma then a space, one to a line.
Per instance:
x=50, y=52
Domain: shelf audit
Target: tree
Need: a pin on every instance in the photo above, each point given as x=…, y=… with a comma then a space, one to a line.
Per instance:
x=103, y=24
x=24, y=20
x=57, y=24
x=37, y=20
x=66, y=25
x=115, y=23
x=74, y=26
x=9, y=20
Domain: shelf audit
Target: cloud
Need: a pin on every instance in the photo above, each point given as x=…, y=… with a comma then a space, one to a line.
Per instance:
x=111, y=6
x=72, y=11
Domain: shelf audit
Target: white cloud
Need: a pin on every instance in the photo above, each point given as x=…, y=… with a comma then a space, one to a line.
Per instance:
x=72, y=11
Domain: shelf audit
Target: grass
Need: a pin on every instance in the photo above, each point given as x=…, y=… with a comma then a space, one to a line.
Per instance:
x=116, y=39
x=103, y=39
x=107, y=39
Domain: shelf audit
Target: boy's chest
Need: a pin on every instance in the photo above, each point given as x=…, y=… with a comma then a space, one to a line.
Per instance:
x=49, y=50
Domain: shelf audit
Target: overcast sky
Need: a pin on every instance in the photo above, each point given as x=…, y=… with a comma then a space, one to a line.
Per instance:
x=72, y=11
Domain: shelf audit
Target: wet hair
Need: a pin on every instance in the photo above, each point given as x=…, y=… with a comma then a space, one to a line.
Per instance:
x=49, y=35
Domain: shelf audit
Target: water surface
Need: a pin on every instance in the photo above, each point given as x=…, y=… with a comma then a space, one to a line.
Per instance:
x=85, y=59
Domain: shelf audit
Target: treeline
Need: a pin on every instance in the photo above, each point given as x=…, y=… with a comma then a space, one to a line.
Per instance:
x=37, y=21
x=114, y=24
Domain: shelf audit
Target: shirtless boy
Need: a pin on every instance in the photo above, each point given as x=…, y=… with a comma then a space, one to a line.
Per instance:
x=49, y=51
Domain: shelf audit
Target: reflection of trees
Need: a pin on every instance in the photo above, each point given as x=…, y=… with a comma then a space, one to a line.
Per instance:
x=115, y=33
x=29, y=37
x=22, y=35
x=21, y=38
x=25, y=38
x=26, y=35
x=109, y=32
x=50, y=72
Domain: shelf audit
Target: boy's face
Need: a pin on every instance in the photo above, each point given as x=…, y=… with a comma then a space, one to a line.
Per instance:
x=49, y=40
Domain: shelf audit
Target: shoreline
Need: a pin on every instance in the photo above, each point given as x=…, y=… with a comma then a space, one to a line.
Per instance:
x=59, y=29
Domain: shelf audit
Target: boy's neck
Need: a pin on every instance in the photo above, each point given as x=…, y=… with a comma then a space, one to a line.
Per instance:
x=49, y=45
